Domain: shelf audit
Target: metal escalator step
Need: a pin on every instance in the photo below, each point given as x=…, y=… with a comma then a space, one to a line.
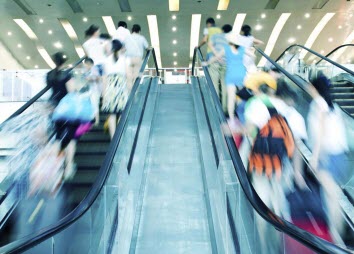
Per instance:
x=89, y=160
x=84, y=177
x=98, y=148
x=344, y=102
x=337, y=89
x=342, y=95
x=95, y=137
x=349, y=109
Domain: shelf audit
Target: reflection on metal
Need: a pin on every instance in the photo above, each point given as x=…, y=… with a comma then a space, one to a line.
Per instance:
x=124, y=5
x=75, y=6
x=25, y=7
x=272, y=4
x=319, y=4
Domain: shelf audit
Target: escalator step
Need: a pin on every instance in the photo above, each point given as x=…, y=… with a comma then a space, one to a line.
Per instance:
x=89, y=161
x=95, y=137
x=92, y=148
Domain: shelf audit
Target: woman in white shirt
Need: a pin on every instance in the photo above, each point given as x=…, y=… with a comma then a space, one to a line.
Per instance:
x=115, y=94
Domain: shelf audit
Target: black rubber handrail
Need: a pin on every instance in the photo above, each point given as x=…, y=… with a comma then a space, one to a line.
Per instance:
x=318, y=55
x=37, y=96
x=306, y=238
x=28, y=242
x=334, y=50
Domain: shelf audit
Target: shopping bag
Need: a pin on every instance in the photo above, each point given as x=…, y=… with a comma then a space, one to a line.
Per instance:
x=74, y=107
x=83, y=129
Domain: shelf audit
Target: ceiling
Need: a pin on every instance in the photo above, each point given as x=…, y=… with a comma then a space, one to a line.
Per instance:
x=50, y=11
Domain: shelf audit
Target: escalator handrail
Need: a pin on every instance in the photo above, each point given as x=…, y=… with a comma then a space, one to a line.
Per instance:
x=306, y=238
x=318, y=55
x=334, y=50
x=37, y=96
x=28, y=242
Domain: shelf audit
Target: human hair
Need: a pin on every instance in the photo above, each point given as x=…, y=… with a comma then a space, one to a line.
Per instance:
x=322, y=85
x=210, y=21
x=246, y=29
x=59, y=59
x=284, y=91
x=123, y=24
x=116, y=46
x=226, y=28
x=136, y=28
x=91, y=30
x=88, y=61
x=105, y=36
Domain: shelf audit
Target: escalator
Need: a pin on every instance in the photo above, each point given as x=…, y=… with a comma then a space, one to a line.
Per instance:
x=171, y=182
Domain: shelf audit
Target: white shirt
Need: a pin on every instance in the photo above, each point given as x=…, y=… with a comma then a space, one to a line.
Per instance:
x=135, y=45
x=246, y=41
x=121, y=34
x=333, y=139
x=94, y=48
x=115, y=67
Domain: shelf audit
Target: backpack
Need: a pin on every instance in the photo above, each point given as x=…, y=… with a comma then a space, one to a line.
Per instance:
x=273, y=143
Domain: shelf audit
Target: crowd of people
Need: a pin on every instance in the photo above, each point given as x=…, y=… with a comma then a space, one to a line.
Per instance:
x=261, y=110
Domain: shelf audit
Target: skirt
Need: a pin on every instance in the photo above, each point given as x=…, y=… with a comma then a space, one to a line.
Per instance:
x=115, y=95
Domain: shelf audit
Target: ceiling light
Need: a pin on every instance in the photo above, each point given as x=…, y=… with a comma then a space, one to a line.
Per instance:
x=349, y=61
x=174, y=29
x=195, y=29
x=263, y=16
x=129, y=18
x=70, y=65
x=274, y=36
x=58, y=45
x=299, y=27
x=46, y=57
x=36, y=66
x=223, y=5
x=174, y=41
x=330, y=39
x=175, y=54
x=351, y=15
x=64, y=56
x=69, y=29
x=258, y=27
x=307, y=15
x=41, y=21
x=80, y=51
x=173, y=5
x=154, y=36
x=84, y=19
x=218, y=16
x=19, y=45
x=322, y=52
x=108, y=21
x=238, y=22
x=23, y=25
x=339, y=27
x=291, y=40
x=28, y=57
x=316, y=31
x=174, y=63
x=174, y=17
x=50, y=32
x=9, y=33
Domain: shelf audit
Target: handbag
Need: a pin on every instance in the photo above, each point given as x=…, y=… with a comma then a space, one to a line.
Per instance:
x=74, y=107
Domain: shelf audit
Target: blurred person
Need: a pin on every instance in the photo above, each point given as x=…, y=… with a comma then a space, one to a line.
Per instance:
x=122, y=32
x=115, y=94
x=94, y=47
x=210, y=30
x=135, y=45
x=61, y=84
x=217, y=70
x=249, y=41
x=91, y=74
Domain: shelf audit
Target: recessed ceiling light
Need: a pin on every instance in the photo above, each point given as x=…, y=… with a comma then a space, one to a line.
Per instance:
x=64, y=56
x=175, y=54
x=263, y=16
x=307, y=15
x=258, y=27
x=299, y=27
x=50, y=32
x=340, y=27
x=9, y=33
x=28, y=57
x=174, y=17
x=70, y=65
x=218, y=16
x=41, y=21
x=84, y=19
x=322, y=52
x=36, y=66
x=108, y=21
x=174, y=29
x=19, y=45
x=129, y=18
x=291, y=40
x=351, y=15
x=349, y=61
x=223, y=5
x=174, y=41
x=330, y=39
x=58, y=45
x=174, y=63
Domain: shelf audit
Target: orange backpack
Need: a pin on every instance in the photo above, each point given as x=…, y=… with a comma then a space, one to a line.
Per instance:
x=274, y=143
